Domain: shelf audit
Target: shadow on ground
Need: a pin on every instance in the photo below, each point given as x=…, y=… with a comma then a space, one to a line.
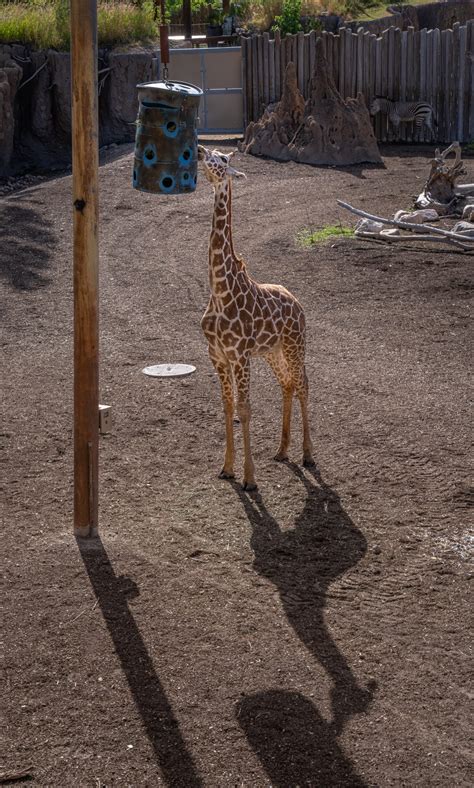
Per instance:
x=295, y=746
x=302, y=563
x=27, y=243
x=161, y=726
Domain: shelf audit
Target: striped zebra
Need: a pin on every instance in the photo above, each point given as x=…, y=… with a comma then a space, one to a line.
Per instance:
x=405, y=111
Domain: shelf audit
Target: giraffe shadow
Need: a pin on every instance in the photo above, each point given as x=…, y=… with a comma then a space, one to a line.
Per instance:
x=302, y=563
x=295, y=746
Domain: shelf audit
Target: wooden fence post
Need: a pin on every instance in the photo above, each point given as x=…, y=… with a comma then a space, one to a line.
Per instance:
x=85, y=162
x=409, y=65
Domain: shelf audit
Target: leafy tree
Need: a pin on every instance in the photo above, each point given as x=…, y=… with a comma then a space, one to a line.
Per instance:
x=289, y=21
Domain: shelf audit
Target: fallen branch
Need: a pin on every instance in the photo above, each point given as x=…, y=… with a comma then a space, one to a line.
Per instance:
x=11, y=777
x=447, y=235
x=397, y=238
x=464, y=188
x=417, y=228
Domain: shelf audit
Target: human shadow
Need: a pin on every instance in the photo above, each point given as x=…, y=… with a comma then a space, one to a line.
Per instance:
x=161, y=726
x=302, y=563
x=26, y=245
x=295, y=746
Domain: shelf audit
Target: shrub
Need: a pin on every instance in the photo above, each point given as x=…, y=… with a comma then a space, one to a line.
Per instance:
x=289, y=21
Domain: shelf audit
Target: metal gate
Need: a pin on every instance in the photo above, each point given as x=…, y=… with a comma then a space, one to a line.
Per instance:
x=218, y=72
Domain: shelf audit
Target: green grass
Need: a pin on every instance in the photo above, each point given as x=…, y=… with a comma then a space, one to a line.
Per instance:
x=309, y=238
x=35, y=25
x=44, y=24
x=380, y=10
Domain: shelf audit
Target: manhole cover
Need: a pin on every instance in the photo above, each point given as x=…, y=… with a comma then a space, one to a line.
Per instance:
x=169, y=370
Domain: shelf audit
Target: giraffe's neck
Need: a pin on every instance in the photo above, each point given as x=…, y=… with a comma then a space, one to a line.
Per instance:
x=224, y=265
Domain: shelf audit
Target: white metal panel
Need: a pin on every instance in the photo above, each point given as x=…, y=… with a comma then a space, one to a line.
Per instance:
x=217, y=71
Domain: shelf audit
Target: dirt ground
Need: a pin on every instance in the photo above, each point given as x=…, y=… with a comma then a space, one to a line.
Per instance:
x=313, y=634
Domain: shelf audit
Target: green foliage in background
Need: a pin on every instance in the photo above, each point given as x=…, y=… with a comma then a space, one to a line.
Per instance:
x=289, y=21
x=45, y=23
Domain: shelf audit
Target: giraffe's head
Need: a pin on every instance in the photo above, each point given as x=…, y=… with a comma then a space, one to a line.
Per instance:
x=217, y=166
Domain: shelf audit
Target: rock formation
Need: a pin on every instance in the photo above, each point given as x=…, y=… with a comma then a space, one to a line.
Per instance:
x=324, y=130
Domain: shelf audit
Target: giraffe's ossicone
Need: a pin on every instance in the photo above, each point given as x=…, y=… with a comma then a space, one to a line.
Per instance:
x=245, y=319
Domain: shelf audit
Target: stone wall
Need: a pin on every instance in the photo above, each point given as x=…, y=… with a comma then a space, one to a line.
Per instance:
x=35, y=105
x=444, y=15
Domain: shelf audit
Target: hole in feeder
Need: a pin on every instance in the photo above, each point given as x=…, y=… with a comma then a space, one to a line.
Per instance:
x=149, y=155
x=156, y=104
x=171, y=129
x=186, y=157
x=167, y=183
x=186, y=179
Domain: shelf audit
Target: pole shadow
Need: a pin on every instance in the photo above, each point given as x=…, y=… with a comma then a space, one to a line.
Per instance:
x=26, y=244
x=302, y=563
x=160, y=724
x=296, y=747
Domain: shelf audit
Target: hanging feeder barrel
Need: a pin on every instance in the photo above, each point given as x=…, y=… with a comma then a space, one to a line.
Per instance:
x=166, y=137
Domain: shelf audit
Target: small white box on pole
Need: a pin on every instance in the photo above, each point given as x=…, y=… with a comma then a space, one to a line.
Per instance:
x=105, y=419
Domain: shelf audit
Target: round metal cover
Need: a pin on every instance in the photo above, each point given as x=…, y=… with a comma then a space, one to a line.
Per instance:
x=169, y=370
x=185, y=88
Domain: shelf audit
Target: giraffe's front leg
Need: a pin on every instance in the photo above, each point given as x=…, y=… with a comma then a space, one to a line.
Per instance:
x=242, y=381
x=224, y=371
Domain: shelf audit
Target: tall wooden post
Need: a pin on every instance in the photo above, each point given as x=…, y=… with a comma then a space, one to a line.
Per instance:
x=85, y=163
x=187, y=20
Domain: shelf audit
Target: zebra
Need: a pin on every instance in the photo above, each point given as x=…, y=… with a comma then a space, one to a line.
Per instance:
x=405, y=111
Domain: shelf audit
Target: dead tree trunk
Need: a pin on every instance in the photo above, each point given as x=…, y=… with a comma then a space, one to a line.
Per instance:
x=439, y=191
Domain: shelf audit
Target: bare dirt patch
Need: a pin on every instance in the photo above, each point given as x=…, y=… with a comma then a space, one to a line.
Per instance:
x=314, y=634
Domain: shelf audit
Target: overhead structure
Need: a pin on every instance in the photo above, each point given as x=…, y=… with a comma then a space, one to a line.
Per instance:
x=85, y=164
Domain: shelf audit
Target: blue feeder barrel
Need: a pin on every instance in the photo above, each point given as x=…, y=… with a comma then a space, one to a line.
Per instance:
x=166, y=137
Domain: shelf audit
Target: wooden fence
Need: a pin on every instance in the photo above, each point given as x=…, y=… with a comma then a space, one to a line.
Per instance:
x=430, y=65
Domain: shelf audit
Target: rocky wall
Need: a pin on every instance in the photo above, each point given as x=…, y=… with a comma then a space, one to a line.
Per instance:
x=35, y=105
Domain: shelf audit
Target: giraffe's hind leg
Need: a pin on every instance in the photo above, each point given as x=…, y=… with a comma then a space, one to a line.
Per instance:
x=294, y=355
x=277, y=362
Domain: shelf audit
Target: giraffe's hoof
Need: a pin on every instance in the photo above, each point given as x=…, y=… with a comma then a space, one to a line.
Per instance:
x=308, y=462
x=226, y=475
x=249, y=486
x=282, y=456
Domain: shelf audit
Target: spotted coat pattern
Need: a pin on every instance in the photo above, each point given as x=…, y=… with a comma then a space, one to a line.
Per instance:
x=245, y=319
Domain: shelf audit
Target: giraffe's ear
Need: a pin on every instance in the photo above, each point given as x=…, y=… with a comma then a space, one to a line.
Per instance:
x=235, y=173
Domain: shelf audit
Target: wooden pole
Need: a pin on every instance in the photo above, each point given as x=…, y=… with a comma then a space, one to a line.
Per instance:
x=85, y=163
x=187, y=20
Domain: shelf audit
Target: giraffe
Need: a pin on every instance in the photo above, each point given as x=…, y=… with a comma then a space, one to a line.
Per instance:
x=245, y=319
